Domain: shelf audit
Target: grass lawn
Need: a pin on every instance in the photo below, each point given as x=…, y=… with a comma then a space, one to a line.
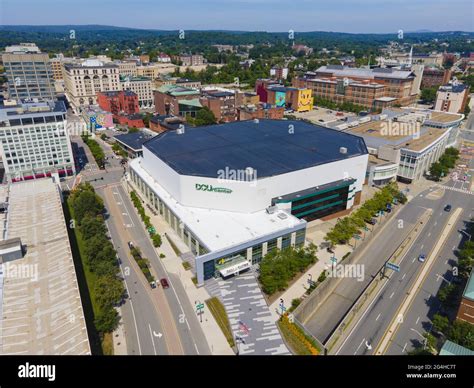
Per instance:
x=218, y=311
x=108, y=344
x=86, y=280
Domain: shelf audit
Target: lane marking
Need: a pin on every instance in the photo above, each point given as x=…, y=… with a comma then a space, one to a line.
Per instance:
x=359, y=346
x=378, y=316
x=403, y=277
x=152, y=341
x=417, y=320
x=392, y=295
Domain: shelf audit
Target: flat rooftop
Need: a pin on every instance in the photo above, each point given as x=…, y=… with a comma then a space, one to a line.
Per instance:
x=374, y=136
x=271, y=147
x=42, y=310
x=359, y=72
x=218, y=229
x=133, y=140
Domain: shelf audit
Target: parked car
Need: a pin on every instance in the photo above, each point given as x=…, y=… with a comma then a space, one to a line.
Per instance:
x=153, y=284
x=130, y=245
x=372, y=221
x=164, y=283
x=447, y=208
x=422, y=258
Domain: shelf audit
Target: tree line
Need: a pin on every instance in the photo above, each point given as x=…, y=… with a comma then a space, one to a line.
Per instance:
x=100, y=257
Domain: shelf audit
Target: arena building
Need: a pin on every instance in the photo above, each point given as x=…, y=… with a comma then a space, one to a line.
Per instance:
x=233, y=192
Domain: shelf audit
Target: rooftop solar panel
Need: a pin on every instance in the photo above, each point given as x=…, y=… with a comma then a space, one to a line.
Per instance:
x=267, y=146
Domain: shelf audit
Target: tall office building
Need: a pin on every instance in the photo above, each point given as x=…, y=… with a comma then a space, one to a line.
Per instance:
x=34, y=141
x=28, y=72
x=82, y=81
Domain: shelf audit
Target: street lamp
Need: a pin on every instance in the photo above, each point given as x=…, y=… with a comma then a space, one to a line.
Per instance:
x=422, y=336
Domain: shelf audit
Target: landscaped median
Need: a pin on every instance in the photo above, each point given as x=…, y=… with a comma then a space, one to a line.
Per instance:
x=217, y=310
x=96, y=150
x=143, y=263
x=300, y=343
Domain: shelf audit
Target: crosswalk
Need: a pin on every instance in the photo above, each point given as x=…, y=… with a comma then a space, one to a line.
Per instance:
x=459, y=190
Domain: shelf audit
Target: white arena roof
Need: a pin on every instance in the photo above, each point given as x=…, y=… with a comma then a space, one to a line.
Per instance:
x=218, y=229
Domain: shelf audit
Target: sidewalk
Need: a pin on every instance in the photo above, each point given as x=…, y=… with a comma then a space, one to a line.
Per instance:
x=173, y=265
x=119, y=338
x=298, y=289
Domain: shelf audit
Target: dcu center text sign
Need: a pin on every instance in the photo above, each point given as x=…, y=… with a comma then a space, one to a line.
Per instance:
x=204, y=187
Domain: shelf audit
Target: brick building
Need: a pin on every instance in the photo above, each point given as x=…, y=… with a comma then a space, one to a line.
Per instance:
x=221, y=103
x=261, y=110
x=124, y=101
x=261, y=86
x=372, y=88
x=466, y=308
x=435, y=77
x=167, y=98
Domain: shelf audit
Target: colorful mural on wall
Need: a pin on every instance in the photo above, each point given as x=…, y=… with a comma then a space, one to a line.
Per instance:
x=305, y=100
x=98, y=120
x=280, y=99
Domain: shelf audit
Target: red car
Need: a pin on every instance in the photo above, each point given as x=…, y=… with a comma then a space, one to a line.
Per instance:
x=164, y=283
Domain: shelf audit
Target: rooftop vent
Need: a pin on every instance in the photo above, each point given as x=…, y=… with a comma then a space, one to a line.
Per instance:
x=343, y=150
x=271, y=209
x=282, y=216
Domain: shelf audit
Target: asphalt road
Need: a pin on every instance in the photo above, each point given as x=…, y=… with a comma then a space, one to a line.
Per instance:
x=156, y=321
x=332, y=311
x=173, y=307
x=426, y=305
x=371, y=327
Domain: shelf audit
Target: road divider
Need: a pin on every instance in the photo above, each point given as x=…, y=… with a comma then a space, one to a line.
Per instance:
x=373, y=289
x=401, y=312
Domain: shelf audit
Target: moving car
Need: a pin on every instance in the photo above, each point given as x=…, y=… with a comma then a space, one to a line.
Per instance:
x=447, y=208
x=422, y=258
x=164, y=283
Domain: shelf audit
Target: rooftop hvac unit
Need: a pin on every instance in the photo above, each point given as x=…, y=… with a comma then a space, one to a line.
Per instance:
x=343, y=150
x=271, y=209
x=282, y=216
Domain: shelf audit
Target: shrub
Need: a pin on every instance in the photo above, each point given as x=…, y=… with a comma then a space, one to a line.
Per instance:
x=278, y=267
x=156, y=240
x=322, y=277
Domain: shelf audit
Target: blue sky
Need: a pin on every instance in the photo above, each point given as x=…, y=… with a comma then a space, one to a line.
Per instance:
x=251, y=15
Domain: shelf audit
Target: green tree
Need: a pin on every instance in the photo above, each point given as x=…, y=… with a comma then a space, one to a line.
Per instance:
x=109, y=291
x=440, y=323
x=204, y=117
x=428, y=94
x=107, y=320
x=92, y=225
x=86, y=202
x=462, y=333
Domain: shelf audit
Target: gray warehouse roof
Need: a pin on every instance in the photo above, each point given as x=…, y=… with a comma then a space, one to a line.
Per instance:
x=267, y=146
